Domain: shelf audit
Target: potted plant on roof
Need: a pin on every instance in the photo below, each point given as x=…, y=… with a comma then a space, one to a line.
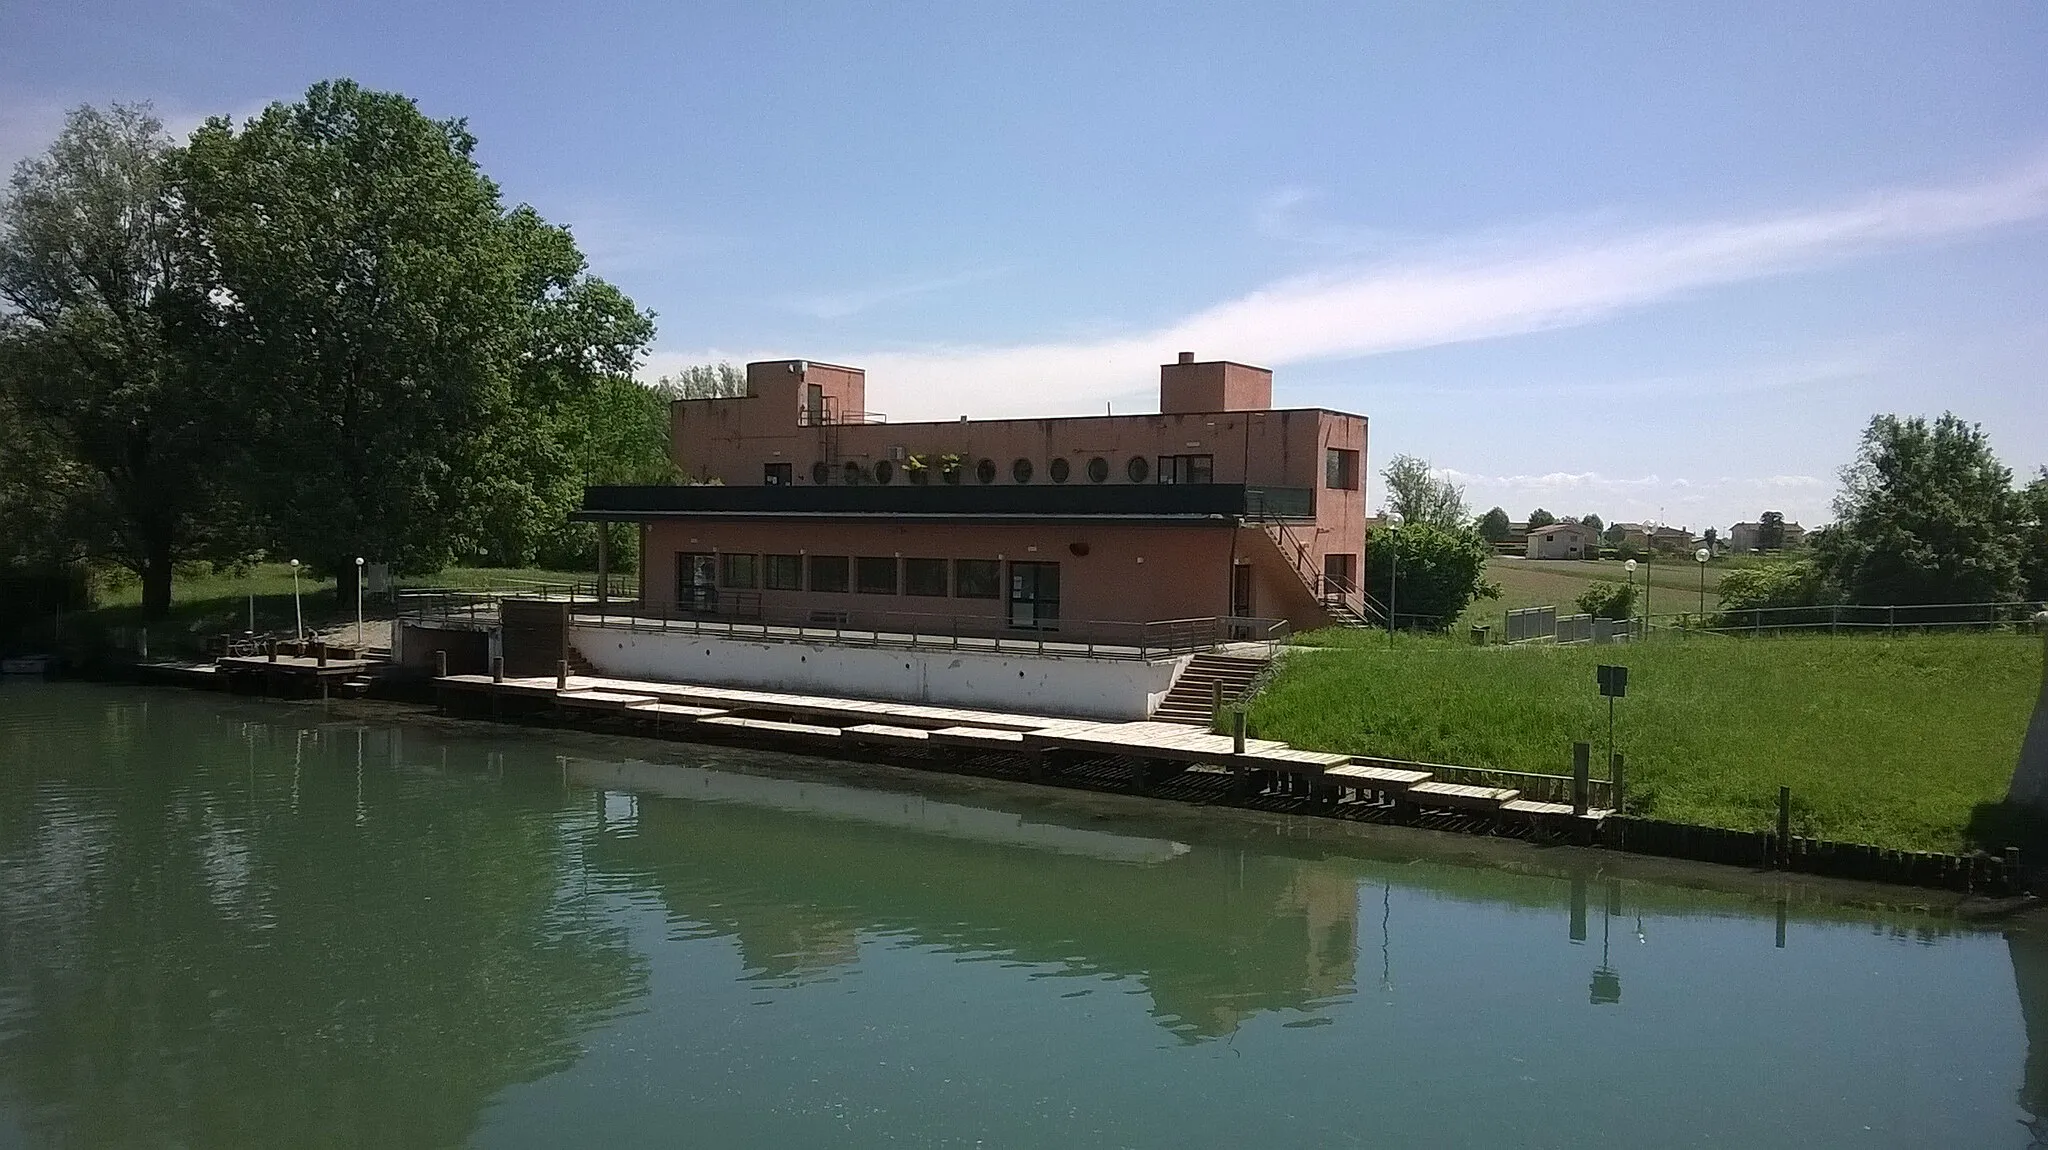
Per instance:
x=916, y=469
x=949, y=467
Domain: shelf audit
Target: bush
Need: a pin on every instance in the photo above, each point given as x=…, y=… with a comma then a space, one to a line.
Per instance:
x=1775, y=587
x=1608, y=599
x=1441, y=571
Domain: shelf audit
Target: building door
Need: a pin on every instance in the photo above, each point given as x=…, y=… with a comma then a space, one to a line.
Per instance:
x=1035, y=596
x=814, y=403
x=1241, y=590
x=696, y=581
x=1339, y=578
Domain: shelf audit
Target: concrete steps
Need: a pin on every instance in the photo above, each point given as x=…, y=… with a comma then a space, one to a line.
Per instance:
x=1193, y=697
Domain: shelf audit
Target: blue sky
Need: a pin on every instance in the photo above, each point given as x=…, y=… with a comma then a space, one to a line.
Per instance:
x=1638, y=260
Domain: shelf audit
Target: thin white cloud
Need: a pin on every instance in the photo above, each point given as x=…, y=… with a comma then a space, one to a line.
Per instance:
x=852, y=301
x=1445, y=293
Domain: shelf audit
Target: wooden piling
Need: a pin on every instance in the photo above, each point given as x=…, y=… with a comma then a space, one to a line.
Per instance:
x=497, y=668
x=1582, y=757
x=1237, y=732
x=440, y=664
x=1784, y=825
x=561, y=674
x=1618, y=783
x=320, y=655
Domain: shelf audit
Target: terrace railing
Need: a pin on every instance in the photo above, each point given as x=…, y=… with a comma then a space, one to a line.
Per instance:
x=1090, y=638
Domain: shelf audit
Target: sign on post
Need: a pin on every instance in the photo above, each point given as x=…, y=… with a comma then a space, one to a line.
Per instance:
x=1613, y=680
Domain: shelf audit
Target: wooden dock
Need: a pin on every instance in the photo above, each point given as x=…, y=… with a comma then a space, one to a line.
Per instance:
x=1158, y=750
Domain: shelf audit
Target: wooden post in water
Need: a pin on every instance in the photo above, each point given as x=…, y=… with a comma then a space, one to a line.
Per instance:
x=1784, y=824
x=1582, y=765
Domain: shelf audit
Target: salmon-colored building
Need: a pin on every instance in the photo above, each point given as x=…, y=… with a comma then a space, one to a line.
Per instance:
x=804, y=507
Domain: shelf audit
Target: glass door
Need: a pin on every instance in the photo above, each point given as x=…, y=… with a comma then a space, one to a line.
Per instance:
x=1035, y=596
x=696, y=581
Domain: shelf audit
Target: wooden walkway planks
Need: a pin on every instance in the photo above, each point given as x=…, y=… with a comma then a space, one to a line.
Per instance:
x=1460, y=795
x=883, y=733
x=770, y=726
x=907, y=724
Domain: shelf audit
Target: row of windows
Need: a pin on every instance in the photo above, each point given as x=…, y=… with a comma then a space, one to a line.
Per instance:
x=867, y=575
x=1138, y=469
x=1340, y=471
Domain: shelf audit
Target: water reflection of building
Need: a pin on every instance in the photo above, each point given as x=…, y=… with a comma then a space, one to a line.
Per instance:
x=2029, y=951
x=1216, y=936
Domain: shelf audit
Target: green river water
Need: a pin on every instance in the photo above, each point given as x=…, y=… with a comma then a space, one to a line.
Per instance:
x=238, y=923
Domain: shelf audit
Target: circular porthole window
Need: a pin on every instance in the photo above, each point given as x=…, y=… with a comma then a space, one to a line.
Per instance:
x=1098, y=469
x=884, y=471
x=1057, y=471
x=820, y=473
x=1021, y=471
x=1136, y=469
x=985, y=471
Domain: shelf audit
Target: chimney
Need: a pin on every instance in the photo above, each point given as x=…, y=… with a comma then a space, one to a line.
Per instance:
x=1187, y=357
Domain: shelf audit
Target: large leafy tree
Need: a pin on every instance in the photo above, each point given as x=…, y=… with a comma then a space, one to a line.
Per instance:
x=1427, y=574
x=1493, y=526
x=407, y=349
x=1418, y=495
x=1926, y=514
x=2034, y=536
x=97, y=373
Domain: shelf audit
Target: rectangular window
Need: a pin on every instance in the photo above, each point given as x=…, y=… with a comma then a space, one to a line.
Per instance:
x=1340, y=469
x=829, y=573
x=1187, y=469
x=739, y=572
x=978, y=578
x=777, y=474
x=875, y=576
x=784, y=573
x=924, y=576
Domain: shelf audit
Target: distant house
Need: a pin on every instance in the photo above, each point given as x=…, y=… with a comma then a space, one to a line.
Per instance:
x=1747, y=537
x=1563, y=541
x=1671, y=539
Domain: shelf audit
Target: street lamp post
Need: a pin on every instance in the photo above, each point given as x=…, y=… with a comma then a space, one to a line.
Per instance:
x=1629, y=570
x=1394, y=571
x=1702, y=556
x=298, y=612
x=359, y=606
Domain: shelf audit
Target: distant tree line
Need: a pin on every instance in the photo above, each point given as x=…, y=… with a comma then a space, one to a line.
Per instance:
x=320, y=334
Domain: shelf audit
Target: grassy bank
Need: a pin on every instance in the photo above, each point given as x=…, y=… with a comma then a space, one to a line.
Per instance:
x=1900, y=742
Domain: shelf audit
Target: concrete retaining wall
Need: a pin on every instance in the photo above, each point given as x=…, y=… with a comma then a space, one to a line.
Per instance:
x=1125, y=689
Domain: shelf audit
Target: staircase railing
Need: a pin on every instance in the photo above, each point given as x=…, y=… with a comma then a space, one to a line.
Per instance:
x=1333, y=592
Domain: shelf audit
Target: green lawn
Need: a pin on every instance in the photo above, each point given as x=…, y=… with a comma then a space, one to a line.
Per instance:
x=1674, y=585
x=1891, y=741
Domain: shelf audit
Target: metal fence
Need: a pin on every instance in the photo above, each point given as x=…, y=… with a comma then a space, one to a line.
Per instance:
x=1106, y=639
x=1530, y=623
x=1851, y=618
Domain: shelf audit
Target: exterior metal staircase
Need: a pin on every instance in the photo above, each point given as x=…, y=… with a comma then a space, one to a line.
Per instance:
x=1192, y=700
x=1346, y=605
